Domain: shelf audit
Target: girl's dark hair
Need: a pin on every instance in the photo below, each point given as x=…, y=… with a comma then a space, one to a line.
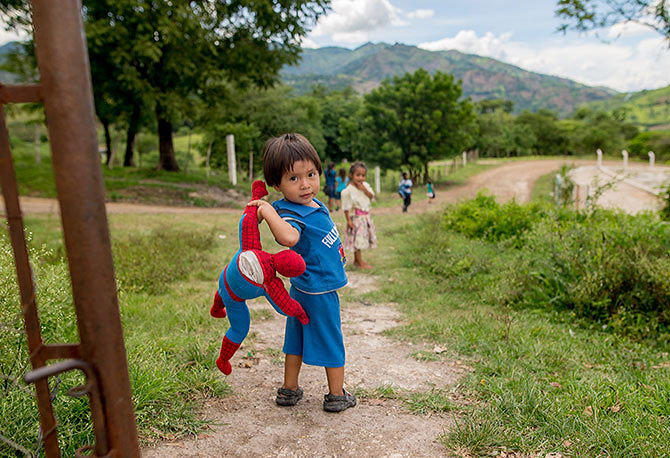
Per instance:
x=357, y=165
x=280, y=153
x=343, y=172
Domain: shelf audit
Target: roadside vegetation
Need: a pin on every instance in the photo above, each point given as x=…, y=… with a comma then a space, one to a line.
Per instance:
x=166, y=274
x=561, y=315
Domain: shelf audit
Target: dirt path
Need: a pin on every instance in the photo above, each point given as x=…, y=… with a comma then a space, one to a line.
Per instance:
x=248, y=423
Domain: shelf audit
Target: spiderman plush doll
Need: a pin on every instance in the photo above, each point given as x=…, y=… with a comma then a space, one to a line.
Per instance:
x=250, y=274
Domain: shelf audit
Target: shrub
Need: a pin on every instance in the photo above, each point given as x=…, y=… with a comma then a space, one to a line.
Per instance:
x=482, y=217
x=610, y=268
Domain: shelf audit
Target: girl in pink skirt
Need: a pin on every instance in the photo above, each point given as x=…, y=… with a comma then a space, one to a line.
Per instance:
x=357, y=203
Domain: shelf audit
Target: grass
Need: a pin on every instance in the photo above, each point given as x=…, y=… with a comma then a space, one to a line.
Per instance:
x=543, y=188
x=541, y=382
x=166, y=268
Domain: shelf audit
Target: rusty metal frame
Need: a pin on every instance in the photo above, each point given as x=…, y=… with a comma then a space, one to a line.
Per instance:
x=66, y=92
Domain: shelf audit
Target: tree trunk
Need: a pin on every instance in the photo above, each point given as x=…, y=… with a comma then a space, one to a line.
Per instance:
x=108, y=142
x=166, y=160
x=133, y=125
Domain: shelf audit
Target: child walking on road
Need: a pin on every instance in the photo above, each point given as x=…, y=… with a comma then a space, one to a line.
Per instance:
x=405, y=191
x=299, y=221
x=357, y=203
x=430, y=192
x=341, y=182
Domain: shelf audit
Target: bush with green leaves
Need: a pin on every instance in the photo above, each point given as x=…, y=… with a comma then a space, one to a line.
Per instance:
x=482, y=217
x=610, y=268
x=602, y=266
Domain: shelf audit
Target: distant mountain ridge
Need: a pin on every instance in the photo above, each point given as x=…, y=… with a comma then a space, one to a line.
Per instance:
x=483, y=78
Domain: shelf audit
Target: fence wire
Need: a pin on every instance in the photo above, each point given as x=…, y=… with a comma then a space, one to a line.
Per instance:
x=12, y=367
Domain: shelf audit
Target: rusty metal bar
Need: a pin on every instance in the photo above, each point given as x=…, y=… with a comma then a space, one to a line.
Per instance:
x=91, y=388
x=68, y=99
x=25, y=93
x=26, y=287
x=60, y=351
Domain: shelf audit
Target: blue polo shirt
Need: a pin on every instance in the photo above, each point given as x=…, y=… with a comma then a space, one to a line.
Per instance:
x=319, y=245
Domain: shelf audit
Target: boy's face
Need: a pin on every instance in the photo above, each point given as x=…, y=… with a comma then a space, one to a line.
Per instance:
x=301, y=184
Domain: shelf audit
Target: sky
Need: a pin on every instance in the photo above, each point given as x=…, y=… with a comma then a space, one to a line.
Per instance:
x=625, y=57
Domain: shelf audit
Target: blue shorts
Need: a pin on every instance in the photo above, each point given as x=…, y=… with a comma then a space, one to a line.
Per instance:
x=320, y=341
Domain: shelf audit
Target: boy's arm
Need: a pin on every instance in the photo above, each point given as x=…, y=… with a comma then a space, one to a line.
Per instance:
x=284, y=233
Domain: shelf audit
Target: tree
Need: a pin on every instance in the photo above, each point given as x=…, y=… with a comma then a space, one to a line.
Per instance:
x=585, y=15
x=172, y=50
x=423, y=115
x=549, y=137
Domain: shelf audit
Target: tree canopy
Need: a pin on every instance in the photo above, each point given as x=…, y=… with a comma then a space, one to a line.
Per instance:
x=423, y=115
x=585, y=15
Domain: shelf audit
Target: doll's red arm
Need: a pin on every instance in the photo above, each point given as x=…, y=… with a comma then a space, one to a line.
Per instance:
x=291, y=307
x=251, y=235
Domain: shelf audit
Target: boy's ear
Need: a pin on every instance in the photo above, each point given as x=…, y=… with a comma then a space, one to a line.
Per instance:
x=276, y=188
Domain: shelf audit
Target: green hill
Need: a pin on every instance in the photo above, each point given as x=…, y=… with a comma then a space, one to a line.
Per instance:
x=648, y=108
x=483, y=78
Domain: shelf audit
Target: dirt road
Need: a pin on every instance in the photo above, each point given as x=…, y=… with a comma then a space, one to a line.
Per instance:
x=250, y=424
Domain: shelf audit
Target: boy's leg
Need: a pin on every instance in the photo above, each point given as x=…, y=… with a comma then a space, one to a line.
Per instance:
x=292, y=365
x=338, y=399
x=335, y=376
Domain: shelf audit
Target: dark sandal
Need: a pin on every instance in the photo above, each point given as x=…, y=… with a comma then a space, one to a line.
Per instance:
x=286, y=397
x=334, y=403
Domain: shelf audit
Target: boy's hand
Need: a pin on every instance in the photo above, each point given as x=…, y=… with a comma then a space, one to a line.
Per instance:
x=263, y=207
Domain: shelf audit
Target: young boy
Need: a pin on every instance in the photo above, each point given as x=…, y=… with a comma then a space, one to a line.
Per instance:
x=299, y=221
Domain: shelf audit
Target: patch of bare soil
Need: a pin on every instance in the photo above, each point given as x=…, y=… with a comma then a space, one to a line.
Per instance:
x=180, y=195
x=249, y=423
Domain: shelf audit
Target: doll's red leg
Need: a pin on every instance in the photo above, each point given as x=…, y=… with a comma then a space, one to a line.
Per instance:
x=228, y=349
x=218, y=309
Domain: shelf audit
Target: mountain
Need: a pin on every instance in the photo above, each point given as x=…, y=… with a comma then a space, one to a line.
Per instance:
x=5, y=76
x=649, y=108
x=483, y=78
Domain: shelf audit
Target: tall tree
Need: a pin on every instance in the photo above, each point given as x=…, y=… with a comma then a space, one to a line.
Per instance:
x=585, y=15
x=423, y=115
x=170, y=50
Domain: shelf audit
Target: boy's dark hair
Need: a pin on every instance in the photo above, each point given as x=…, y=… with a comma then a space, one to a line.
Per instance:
x=404, y=175
x=357, y=165
x=343, y=172
x=280, y=153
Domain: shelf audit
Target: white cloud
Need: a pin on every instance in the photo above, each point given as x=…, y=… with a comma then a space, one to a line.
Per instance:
x=622, y=67
x=6, y=37
x=467, y=41
x=308, y=43
x=628, y=29
x=420, y=14
x=351, y=20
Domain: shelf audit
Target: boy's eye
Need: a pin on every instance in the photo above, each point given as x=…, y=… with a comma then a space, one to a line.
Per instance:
x=292, y=178
x=312, y=174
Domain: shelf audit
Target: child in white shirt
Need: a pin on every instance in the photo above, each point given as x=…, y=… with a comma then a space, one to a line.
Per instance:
x=357, y=203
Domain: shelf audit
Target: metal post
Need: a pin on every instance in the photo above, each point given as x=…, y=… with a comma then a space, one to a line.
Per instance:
x=624, y=153
x=232, y=165
x=599, y=153
x=68, y=100
x=652, y=159
x=378, y=180
x=27, y=288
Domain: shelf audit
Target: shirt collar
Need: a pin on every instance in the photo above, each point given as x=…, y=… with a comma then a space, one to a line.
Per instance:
x=302, y=210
